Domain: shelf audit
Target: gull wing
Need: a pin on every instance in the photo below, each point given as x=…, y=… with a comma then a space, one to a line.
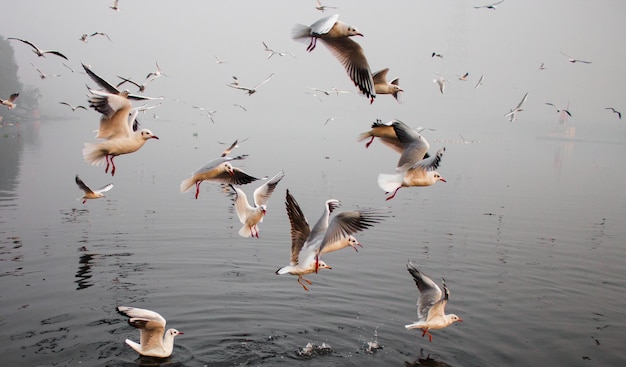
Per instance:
x=300, y=229
x=263, y=192
x=429, y=292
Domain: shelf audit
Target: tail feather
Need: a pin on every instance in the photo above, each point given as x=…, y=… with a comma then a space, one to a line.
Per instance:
x=93, y=155
x=363, y=136
x=245, y=231
x=415, y=325
x=135, y=346
x=390, y=182
x=301, y=32
x=187, y=184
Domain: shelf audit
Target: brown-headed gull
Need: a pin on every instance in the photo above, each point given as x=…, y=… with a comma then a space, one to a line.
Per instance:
x=39, y=52
x=218, y=170
x=74, y=108
x=421, y=173
x=250, y=216
x=10, y=102
x=430, y=304
x=382, y=86
x=489, y=6
x=411, y=145
x=154, y=340
x=619, y=114
x=512, y=115
x=252, y=90
x=385, y=132
x=89, y=193
x=573, y=60
x=122, y=135
x=336, y=35
x=558, y=110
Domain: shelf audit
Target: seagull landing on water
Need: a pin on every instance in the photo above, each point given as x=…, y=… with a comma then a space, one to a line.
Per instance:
x=252, y=90
x=89, y=193
x=336, y=35
x=39, y=52
x=619, y=114
x=154, y=340
x=430, y=304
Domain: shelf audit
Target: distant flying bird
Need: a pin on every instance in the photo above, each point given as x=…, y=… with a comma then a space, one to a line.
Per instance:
x=573, y=60
x=336, y=35
x=541, y=67
x=115, y=5
x=209, y=112
x=154, y=340
x=434, y=54
x=72, y=107
x=322, y=8
x=142, y=87
x=240, y=106
x=218, y=170
x=100, y=34
x=234, y=145
x=272, y=52
x=480, y=81
x=333, y=90
x=559, y=110
x=431, y=304
x=10, y=102
x=441, y=82
x=463, y=77
x=110, y=88
x=84, y=37
x=39, y=52
x=68, y=67
x=218, y=61
x=490, y=6
x=382, y=86
x=157, y=73
x=42, y=75
x=619, y=114
x=513, y=113
x=252, y=90
x=250, y=216
x=89, y=193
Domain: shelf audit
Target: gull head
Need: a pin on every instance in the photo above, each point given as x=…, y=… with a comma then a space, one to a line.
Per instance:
x=229, y=168
x=454, y=318
x=174, y=332
x=323, y=265
x=147, y=134
x=263, y=209
x=438, y=177
x=353, y=242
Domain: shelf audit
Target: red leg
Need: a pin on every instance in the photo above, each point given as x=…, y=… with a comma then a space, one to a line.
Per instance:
x=84, y=201
x=312, y=44
x=112, y=164
x=300, y=279
x=394, y=194
x=367, y=145
x=106, y=170
x=198, y=188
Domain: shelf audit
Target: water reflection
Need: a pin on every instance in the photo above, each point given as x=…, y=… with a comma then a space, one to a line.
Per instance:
x=426, y=361
x=83, y=274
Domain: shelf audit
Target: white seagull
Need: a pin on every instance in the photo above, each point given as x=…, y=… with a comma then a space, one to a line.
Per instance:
x=74, y=108
x=514, y=111
x=252, y=90
x=573, y=60
x=115, y=5
x=441, y=82
x=217, y=170
x=89, y=193
x=559, y=110
x=336, y=36
x=39, y=52
x=382, y=86
x=322, y=8
x=251, y=216
x=42, y=75
x=156, y=74
x=10, y=102
x=154, y=340
x=430, y=304
x=272, y=52
x=480, y=81
x=110, y=88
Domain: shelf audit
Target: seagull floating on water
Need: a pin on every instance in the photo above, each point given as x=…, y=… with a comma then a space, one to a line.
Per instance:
x=250, y=216
x=382, y=86
x=430, y=304
x=39, y=52
x=89, y=193
x=336, y=35
x=218, y=170
x=154, y=340
x=10, y=102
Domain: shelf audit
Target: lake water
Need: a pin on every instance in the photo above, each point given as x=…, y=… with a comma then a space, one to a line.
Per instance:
x=528, y=232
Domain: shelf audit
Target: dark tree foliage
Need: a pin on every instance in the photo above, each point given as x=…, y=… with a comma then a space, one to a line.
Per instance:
x=10, y=83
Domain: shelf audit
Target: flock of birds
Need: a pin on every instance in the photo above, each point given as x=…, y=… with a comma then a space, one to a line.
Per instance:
x=119, y=133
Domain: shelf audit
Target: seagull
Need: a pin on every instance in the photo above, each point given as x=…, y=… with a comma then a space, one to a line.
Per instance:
x=252, y=90
x=42, y=75
x=272, y=52
x=336, y=36
x=89, y=193
x=74, y=108
x=321, y=7
x=234, y=145
x=441, y=82
x=490, y=6
x=10, y=102
x=114, y=6
x=382, y=86
x=463, y=77
x=68, y=67
x=513, y=114
x=83, y=37
x=559, y=110
x=240, y=106
x=217, y=170
x=619, y=114
x=218, y=61
x=121, y=133
x=386, y=131
x=154, y=340
x=333, y=90
x=480, y=81
x=421, y=173
x=39, y=52
x=430, y=304
x=251, y=216
x=434, y=54
x=541, y=67
x=573, y=60
x=142, y=87
x=157, y=73
x=100, y=34
x=110, y=88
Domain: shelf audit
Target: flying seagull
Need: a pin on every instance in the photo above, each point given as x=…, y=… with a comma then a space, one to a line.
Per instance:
x=39, y=52
x=573, y=60
x=513, y=113
x=619, y=114
x=489, y=6
x=74, y=108
x=559, y=110
x=252, y=90
x=10, y=102
x=89, y=193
